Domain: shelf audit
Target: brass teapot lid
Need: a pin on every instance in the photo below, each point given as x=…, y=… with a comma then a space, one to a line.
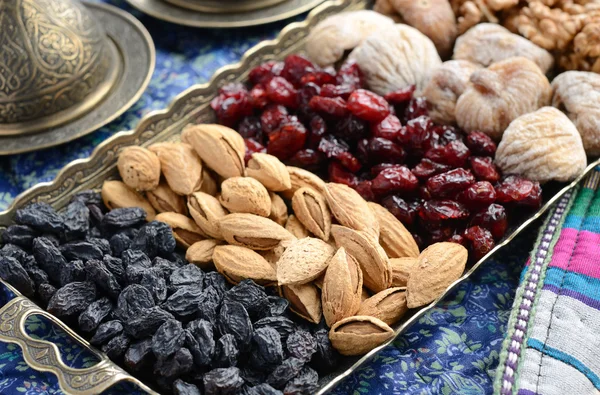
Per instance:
x=55, y=64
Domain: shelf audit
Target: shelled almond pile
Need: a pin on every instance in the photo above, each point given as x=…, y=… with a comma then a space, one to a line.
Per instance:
x=329, y=252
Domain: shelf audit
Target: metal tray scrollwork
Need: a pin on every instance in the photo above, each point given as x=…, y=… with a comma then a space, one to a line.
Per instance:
x=191, y=106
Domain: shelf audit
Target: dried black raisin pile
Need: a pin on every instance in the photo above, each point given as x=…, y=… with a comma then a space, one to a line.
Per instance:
x=119, y=281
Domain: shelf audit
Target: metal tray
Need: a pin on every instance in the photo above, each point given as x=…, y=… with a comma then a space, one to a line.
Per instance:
x=190, y=106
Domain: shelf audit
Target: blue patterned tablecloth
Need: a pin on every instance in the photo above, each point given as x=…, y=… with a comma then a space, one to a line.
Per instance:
x=452, y=350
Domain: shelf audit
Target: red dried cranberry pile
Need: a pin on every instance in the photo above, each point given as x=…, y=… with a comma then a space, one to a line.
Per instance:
x=441, y=183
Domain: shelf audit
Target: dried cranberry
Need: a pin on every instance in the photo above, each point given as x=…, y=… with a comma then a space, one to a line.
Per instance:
x=450, y=183
x=484, y=169
x=333, y=147
x=308, y=159
x=520, y=191
x=441, y=210
x=307, y=92
x=252, y=146
x=233, y=89
x=365, y=189
x=428, y=168
x=454, y=154
x=424, y=193
x=388, y=128
x=368, y=106
x=258, y=97
x=332, y=106
x=263, y=73
x=401, y=96
x=338, y=173
x=343, y=91
x=405, y=211
x=393, y=180
x=272, y=118
x=447, y=134
x=440, y=234
x=458, y=239
x=350, y=161
x=232, y=104
x=379, y=168
x=416, y=108
x=250, y=127
x=287, y=140
x=318, y=129
x=480, y=194
x=351, y=129
x=281, y=91
x=481, y=240
x=320, y=78
x=295, y=67
x=481, y=144
x=415, y=134
x=380, y=150
x=492, y=218
x=350, y=74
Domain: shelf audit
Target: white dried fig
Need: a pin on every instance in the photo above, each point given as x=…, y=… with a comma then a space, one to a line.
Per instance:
x=396, y=58
x=577, y=93
x=542, y=146
x=501, y=93
x=329, y=39
x=447, y=83
x=487, y=43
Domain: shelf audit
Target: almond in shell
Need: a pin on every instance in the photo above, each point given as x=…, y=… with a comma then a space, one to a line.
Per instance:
x=301, y=178
x=303, y=261
x=305, y=301
x=270, y=171
x=208, y=184
x=221, y=148
x=279, y=210
x=375, y=265
x=115, y=194
x=438, y=266
x=389, y=305
x=395, y=239
x=401, y=268
x=311, y=209
x=139, y=168
x=163, y=199
x=357, y=335
x=351, y=210
x=342, y=288
x=201, y=252
x=185, y=230
x=238, y=263
x=180, y=165
x=245, y=195
x=253, y=231
x=295, y=227
x=207, y=212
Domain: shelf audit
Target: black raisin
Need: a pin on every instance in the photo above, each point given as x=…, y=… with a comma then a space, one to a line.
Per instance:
x=267, y=351
x=326, y=357
x=223, y=381
x=46, y=292
x=281, y=324
x=106, y=331
x=264, y=389
x=70, y=272
x=120, y=218
x=180, y=387
x=38, y=276
x=21, y=235
x=133, y=257
x=12, y=272
x=132, y=301
x=88, y=196
x=116, y=347
x=208, y=311
x=226, y=352
x=102, y=244
x=119, y=243
x=217, y=281
x=253, y=376
x=305, y=383
x=153, y=280
x=154, y=238
x=277, y=306
x=176, y=365
x=94, y=314
x=48, y=257
x=40, y=216
x=285, y=372
x=16, y=252
x=139, y=355
x=302, y=345
x=147, y=322
x=94, y=232
x=96, y=216
x=168, y=339
x=251, y=295
x=104, y=279
x=115, y=266
x=187, y=275
x=199, y=339
x=177, y=258
x=165, y=266
x=233, y=319
x=72, y=299
x=184, y=303
x=134, y=273
x=77, y=220
x=82, y=250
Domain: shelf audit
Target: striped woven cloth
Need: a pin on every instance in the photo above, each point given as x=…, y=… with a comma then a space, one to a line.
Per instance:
x=552, y=345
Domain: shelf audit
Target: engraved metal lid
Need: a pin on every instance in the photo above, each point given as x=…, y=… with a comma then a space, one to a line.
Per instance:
x=55, y=64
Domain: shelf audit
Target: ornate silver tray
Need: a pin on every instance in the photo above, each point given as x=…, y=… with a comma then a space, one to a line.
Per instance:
x=191, y=106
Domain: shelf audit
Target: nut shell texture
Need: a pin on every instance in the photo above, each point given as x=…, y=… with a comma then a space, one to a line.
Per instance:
x=139, y=168
x=396, y=58
x=542, y=146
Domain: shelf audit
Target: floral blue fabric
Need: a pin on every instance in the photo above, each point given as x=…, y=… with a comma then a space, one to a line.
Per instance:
x=452, y=350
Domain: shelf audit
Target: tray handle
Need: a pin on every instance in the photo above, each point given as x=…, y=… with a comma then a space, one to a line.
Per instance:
x=44, y=356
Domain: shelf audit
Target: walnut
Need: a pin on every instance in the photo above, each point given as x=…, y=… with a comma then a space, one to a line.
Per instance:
x=434, y=18
x=577, y=93
x=386, y=8
x=329, y=39
x=471, y=12
x=487, y=43
x=447, y=83
x=499, y=94
x=542, y=146
x=395, y=58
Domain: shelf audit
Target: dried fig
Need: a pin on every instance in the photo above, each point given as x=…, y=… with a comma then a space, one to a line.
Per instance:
x=499, y=94
x=542, y=146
